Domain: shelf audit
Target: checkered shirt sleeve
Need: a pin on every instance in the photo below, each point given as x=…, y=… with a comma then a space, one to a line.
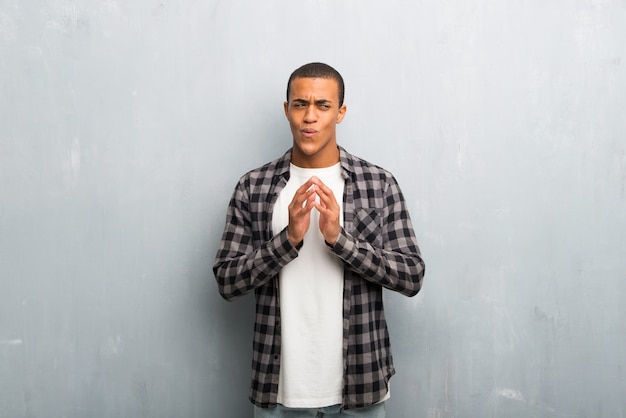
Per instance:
x=247, y=258
x=382, y=247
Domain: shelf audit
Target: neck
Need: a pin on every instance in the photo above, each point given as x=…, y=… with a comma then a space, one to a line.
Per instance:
x=324, y=160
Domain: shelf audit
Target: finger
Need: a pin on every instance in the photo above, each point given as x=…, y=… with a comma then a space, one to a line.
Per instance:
x=302, y=192
x=298, y=209
x=303, y=195
x=320, y=184
x=327, y=197
x=309, y=203
x=306, y=185
x=324, y=209
x=317, y=181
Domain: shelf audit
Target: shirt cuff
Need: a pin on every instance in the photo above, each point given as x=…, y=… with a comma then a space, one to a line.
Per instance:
x=282, y=247
x=344, y=247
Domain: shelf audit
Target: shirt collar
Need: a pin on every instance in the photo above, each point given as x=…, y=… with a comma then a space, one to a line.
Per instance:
x=345, y=159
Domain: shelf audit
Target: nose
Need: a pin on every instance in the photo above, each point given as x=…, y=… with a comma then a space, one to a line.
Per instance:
x=310, y=114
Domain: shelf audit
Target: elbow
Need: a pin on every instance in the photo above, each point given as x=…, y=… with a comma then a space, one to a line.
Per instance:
x=413, y=290
x=228, y=297
x=417, y=280
x=227, y=291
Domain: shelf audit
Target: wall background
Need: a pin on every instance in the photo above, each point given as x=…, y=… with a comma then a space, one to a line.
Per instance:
x=125, y=125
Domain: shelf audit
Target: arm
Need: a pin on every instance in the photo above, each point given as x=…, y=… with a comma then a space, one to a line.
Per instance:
x=396, y=264
x=241, y=266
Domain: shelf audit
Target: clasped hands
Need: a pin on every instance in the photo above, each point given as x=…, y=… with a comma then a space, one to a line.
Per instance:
x=300, y=208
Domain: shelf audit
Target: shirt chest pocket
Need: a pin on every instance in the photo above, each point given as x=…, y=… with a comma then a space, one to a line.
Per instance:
x=368, y=226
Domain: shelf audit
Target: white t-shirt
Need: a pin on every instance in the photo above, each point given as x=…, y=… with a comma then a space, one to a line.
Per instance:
x=311, y=305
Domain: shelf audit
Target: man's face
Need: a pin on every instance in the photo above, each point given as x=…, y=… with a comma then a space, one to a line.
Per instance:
x=313, y=113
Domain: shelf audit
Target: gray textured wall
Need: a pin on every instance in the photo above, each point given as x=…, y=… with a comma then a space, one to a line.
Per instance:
x=125, y=125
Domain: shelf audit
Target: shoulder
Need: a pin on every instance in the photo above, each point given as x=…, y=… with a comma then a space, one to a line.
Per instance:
x=265, y=174
x=363, y=170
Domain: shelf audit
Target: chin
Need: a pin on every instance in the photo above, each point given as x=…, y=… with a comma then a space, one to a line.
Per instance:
x=307, y=149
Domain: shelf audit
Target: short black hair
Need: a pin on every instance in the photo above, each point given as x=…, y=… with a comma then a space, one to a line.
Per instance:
x=318, y=70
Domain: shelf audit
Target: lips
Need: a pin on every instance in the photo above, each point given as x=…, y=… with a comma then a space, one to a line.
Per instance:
x=308, y=132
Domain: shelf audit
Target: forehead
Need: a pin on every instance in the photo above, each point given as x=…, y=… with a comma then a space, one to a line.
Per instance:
x=320, y=88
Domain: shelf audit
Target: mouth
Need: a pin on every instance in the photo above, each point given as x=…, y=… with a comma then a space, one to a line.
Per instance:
x=308, y=133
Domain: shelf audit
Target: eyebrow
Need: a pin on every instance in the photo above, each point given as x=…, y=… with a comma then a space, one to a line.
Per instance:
x=317, y=102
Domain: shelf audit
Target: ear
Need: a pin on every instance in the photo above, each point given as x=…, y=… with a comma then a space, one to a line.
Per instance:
x=286, y=106
x=341, y=113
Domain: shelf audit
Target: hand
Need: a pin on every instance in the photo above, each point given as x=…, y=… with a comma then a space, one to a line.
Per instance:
x=300, y=212
x=329, y=211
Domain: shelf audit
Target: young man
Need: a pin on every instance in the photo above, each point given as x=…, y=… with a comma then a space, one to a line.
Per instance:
x=317, y=234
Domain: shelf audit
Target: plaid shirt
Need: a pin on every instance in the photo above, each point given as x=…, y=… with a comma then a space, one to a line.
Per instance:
x=378, y=248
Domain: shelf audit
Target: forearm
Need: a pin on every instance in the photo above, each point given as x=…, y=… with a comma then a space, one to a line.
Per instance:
x=240, y=269
x=400, y=269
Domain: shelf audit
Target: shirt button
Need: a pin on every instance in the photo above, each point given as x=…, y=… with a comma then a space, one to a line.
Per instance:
x=276, y=357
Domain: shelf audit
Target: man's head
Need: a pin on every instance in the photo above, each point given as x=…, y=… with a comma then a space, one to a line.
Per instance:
x=313, y=108
x=318, y=70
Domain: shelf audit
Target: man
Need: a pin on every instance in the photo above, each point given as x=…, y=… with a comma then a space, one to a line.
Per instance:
x=317, y=234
